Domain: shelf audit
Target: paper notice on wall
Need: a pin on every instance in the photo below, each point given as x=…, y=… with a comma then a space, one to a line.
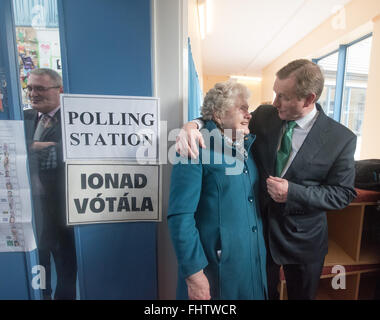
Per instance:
x=16, y=231
x=17, y=237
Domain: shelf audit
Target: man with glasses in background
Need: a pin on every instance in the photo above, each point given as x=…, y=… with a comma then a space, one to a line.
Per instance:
x=44, y=143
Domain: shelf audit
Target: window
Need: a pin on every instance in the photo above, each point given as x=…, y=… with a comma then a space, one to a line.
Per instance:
x=37, y=37
x=346, y=77
x=329, y=66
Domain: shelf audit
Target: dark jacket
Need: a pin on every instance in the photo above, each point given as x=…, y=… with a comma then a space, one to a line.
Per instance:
x=321, y=177
x=47, y=173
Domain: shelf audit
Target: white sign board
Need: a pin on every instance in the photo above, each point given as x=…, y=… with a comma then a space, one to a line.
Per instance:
x=105, y=192
x=100, y=127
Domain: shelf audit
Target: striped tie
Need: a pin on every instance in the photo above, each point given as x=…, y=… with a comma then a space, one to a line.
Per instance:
x=43, y=123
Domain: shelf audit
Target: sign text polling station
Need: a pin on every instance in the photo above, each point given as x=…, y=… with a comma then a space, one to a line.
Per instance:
x=110, y=127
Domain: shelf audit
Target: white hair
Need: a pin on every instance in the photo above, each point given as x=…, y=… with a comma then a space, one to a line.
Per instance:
x=222, y=97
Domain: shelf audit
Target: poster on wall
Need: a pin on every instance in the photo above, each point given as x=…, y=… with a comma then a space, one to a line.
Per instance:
x=96, y=127
x=104, y=192
x=16, y=231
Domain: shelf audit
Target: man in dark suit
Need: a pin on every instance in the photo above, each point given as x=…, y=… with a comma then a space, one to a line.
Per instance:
x=317, y=176
x=306, y=164
x=44, y=143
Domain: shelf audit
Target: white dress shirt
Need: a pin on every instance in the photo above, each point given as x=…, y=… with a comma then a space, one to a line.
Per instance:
x=300, y=132
x=51, y=113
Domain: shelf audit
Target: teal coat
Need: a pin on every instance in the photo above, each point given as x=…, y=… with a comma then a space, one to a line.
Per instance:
x=215, y=222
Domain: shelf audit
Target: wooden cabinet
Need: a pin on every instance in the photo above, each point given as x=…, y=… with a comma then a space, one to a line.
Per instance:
x=354, y=243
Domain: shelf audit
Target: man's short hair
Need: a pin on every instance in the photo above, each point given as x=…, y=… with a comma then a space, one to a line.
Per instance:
x=309, y=77
x=54, y=75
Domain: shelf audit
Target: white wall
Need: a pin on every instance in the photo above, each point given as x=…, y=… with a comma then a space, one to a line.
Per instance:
x=170, y=37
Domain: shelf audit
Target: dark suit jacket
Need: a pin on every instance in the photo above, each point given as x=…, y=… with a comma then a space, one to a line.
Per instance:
x=52, y=134
x=49, y=199
x=321, y=177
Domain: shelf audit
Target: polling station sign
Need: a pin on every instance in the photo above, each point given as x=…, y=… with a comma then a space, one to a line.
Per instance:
x=98, y=127
x=109, y=192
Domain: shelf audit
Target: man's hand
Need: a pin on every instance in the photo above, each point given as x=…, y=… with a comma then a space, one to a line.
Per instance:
x=187, y=139
x=37, y=145
x=198, y=287
x=278, y=189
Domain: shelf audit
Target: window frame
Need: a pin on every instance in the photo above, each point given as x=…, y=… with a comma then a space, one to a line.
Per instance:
x=341, y=74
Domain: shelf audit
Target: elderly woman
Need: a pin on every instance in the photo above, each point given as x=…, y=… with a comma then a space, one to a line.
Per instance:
x=214, y=216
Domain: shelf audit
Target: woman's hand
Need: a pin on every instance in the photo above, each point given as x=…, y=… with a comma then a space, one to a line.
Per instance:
x=198, y=287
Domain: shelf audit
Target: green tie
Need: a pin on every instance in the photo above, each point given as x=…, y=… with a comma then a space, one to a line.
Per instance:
x=286, y=146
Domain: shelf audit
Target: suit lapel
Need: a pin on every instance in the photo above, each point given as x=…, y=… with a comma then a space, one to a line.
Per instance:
x=30, y=122
x=273, y=144
x=314, y=141
x=268, y=140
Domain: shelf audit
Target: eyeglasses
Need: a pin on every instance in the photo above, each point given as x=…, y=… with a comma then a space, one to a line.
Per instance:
x=39, y=88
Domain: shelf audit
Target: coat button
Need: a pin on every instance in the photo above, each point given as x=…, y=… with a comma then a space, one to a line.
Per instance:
x=254, y=229
x=250, y=199
x=245, y=171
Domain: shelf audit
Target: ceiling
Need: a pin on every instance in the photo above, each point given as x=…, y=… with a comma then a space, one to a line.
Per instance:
x=246, y=35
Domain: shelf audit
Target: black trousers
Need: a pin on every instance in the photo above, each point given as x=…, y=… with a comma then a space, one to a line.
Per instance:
x=63, y=252
x=56, y=240
x=302, y=280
